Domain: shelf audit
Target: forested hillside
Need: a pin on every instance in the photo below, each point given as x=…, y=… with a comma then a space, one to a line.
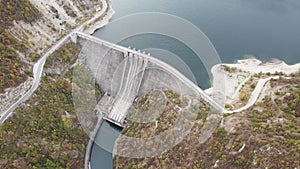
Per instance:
x=44, y=132
x=29, y=27
x=16, y=10
x=13, y=68
x=267, y=135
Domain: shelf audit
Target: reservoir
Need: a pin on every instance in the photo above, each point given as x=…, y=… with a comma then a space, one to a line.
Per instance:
x=266, y=29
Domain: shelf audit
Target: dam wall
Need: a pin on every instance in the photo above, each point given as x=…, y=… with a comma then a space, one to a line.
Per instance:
x=108, y=64
x=102, y=63
x=125, y=73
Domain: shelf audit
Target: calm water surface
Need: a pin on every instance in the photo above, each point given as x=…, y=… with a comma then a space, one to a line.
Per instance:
x=267, y=29
x=101, y=156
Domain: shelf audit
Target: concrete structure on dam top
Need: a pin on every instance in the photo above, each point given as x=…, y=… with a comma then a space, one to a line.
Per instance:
x=124, y=74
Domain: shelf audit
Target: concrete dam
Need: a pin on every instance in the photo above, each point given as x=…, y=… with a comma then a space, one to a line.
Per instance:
x=125, y=73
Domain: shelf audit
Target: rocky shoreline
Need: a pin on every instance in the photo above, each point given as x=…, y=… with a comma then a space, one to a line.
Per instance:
x=237, y=74
x=103, y=20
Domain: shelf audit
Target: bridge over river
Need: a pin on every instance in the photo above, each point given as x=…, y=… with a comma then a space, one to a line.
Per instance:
x=125, y=73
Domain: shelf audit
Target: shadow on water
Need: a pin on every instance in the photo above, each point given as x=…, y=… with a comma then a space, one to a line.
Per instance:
x=267, y=29
x=101, y=156
x=180, y=57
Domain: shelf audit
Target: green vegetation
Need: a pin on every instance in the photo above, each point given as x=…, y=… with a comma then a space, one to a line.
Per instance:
x=186, y=153
x=244, y=93
x=264, y=136
x=164, y=120
x=228, y=106
x=16, y=10
x=63, y=57
x=12, y=67
x=40, y=134
x=229, y=69
x=11, y=64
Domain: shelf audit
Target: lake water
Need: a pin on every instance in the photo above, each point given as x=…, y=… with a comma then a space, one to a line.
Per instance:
x=267, y=29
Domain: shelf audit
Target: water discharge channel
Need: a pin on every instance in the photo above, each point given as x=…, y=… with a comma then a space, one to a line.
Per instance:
x=101, y=156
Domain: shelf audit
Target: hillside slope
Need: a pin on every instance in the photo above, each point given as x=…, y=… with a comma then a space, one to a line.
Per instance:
x=27, y=29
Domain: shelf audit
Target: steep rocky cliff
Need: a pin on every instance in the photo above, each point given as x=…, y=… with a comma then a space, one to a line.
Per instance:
x=57, y=17
x=27, y=29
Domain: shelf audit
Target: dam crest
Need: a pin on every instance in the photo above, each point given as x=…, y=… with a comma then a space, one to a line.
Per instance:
x=124, y=74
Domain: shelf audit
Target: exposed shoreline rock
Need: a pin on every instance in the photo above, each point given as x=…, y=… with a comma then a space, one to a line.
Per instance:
x=237, y=74
x=103, y=20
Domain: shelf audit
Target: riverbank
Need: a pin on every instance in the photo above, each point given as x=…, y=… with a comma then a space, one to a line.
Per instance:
x=89, y=146
x=237, y=74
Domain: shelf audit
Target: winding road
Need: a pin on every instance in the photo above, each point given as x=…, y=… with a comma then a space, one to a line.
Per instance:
x=255, y=94
x=39, y=65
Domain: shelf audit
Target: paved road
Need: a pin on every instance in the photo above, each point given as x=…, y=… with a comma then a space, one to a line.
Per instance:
x=39, y=65
x=172, y=70
x=255, y=94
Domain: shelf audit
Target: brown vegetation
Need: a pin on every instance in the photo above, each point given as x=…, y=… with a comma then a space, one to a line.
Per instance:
x=265, y=136
x=13, y=69
x=40, y=134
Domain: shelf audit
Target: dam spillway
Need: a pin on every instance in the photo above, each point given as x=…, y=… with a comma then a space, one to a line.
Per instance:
x=129, y=88
x=124, y=74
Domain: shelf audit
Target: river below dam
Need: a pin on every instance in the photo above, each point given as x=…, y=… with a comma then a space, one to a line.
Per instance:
x=101, y=156
x=266, y=29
